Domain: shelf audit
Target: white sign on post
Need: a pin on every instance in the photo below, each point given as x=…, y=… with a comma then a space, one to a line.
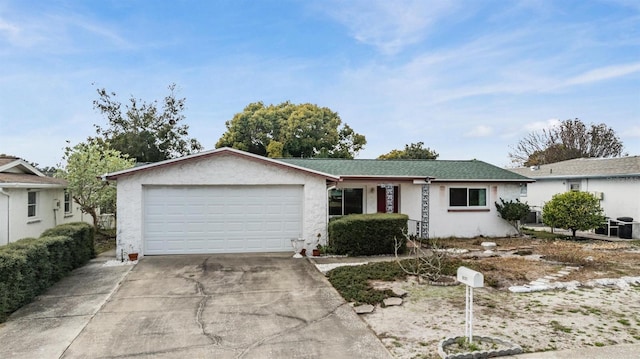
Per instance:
x=472, y=279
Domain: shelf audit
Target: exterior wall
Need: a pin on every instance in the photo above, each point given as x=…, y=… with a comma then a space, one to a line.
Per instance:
x=444, y=221
x=225, y=169
x=447, y=222
x=621, y=196
x=20, y=226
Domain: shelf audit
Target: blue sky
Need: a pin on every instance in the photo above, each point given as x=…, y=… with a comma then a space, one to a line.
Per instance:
x=467, y=78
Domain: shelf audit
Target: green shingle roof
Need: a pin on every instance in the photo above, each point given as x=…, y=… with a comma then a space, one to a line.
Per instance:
x=471, y=170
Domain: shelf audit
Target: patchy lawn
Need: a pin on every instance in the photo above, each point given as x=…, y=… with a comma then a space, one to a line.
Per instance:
x=539, y=321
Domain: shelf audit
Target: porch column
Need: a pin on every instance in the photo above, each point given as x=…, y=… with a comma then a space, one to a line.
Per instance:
x=424, y=228
x=389, y=197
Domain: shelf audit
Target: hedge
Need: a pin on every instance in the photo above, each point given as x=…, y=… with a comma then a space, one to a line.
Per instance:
x=368, y=234
x=31, y=265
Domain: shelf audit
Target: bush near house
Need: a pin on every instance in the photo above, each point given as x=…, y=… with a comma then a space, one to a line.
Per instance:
x=368, y=234
x=31, y=265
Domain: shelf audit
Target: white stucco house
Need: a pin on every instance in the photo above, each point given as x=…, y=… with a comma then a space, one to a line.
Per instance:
x=615, y=181
x=31, y=202
x=230, y=201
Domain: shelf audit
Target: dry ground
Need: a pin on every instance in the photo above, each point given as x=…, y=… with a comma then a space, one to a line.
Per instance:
x=538, y=321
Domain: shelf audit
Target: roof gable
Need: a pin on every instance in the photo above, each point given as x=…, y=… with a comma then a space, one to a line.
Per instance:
x=213, y=153
x=585, y=167
x=16, y=172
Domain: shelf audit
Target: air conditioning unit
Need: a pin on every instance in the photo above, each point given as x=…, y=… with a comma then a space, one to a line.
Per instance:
x=598, y=195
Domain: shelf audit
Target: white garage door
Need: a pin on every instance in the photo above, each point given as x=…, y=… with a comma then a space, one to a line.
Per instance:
x=221, y=219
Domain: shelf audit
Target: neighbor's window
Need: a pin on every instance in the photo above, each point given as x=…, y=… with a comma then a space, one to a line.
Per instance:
x=67, y=202
x=343, y=201
x=32, y=204
x=523, y=189
x=467, y=197
x=574, y=186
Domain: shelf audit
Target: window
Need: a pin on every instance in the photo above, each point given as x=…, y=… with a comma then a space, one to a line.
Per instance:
x=32, y=204
x=467, y=197
x=523, y=189
x=574, y=186
x=67, y=202
x=345, y=201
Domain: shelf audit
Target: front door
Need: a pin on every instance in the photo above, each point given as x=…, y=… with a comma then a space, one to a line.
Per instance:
x=382, y=199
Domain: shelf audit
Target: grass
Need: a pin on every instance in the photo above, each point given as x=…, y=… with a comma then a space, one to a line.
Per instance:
x=543, y=234
x=595, y=259
x=353, y=282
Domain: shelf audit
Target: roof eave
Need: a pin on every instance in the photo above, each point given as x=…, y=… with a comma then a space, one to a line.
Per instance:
x=619, y=175
x=32, y=185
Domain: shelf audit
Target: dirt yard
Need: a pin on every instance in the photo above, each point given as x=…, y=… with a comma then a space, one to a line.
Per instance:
x=587, y=314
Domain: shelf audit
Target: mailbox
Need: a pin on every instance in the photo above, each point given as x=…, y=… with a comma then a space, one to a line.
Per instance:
x=470, y=277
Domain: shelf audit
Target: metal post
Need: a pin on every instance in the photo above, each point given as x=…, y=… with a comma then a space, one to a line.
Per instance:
x=470, y=314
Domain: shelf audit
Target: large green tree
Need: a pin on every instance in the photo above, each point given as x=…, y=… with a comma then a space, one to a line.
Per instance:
x=571, y=139
x=85, y=163
x=413, y=151
x=290, y=130
x=145, y=131
x=573, y=210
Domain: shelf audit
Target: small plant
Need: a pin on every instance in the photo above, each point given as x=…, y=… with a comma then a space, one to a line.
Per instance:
x=624, y=322
x=557, y=327
x=513, y=212
x=598, y=344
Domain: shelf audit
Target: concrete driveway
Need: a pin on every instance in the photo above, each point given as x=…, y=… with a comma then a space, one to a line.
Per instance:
x=224, y=306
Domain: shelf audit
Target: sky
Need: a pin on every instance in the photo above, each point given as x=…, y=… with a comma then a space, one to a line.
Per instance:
x=467, y=78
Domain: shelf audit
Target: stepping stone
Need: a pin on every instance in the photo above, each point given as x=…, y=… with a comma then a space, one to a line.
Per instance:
x=548, y=277
x=389, y=302
x=364, y=309
x=563, y=273
x=399, y=292
x=488, y=245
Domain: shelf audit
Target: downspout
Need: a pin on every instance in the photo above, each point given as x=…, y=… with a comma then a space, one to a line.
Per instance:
x=327, y=217
x=8, y=201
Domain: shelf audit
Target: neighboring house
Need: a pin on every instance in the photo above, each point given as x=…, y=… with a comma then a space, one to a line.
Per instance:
x=615, y=181
x=31, y=202
x=229, y=201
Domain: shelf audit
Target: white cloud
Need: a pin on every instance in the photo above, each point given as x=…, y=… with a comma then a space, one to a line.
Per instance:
x=633, y=131
x=604, y=73
x=480, y=131
x=390, y=26
x=541, y=125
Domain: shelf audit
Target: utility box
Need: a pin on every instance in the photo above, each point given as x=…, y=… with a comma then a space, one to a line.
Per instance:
x=470, y=277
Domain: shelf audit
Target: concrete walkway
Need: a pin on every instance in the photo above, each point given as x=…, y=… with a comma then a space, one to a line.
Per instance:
x=48, y=325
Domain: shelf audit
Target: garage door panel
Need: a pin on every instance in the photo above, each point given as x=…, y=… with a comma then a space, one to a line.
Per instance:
x=221, y=219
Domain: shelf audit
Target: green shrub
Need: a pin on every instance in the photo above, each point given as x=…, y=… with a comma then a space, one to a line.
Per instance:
x=29, y=266
x=368, y=234
x=82, y=247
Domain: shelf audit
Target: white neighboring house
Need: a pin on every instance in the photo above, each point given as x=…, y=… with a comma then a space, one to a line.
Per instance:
x=231, y=201
x=615, y=181
x=31, y=202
